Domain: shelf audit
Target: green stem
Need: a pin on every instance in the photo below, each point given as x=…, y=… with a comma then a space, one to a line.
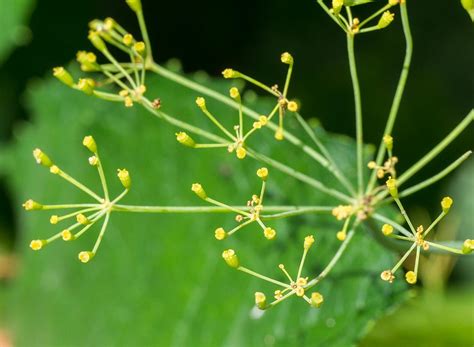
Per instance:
x=358, y=111
x=334, y=18
x=398, y=93
x=376, y=14
x=265, y=278
x=333, y=261
x=333, y=167
x=300, y=176
x=146, y=38
x=435, y=178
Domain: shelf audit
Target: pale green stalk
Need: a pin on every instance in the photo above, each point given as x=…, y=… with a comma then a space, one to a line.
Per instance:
x=333, y=261
x=358, y=112
x=265, y=278
x=326, y=9
x=398, y=93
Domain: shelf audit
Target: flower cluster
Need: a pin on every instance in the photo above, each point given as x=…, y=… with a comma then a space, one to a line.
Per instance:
x=85, y=215
x=295, y=286
x=252, y=213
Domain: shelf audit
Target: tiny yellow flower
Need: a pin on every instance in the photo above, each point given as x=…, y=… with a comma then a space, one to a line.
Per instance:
x=287, y=58
x=185, y=139
x=42, y=158
x=93, y=160
x=234, y=93
x=128, y=101
x=97, y=41
x=229, y=73
x=230, y=258
x=31, y=205
x=86, y=86
x=241, y=152
x=387, y=229
x=54, y=170
x=124, y=177
x=262, y=173
x=220, y=234
x=308, y=242
x=257, y=125
x=336, y=6
x=263, y=120
x=392, y=187
x=292, y=106
x=90, y=144
x=123, y=93
x=139, y=47
x=316, y=299
x=468, y=246
x=387, y=276
x=85, y=257
x=299, y=291
x=61, y=74
x=371, y=165
x=199, y=191
x=386, y=19
x=67, y=235
x=410, y=277
x=446, y=204
x=269, y=233
x=54, y=219
x=393, y=2
x=260, y=300
x=127, y=39
x=388, y=141
x=36, y=245
x=82, y=219
x=201, y=102
x=135, y=5
x=342, y=211
x=341, y=235
x=279, y=134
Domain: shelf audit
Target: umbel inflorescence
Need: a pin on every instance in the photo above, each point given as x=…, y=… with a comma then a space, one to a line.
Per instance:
x=358, y=203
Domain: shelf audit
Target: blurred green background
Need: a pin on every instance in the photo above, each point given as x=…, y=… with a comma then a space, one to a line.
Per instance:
x=210, y=36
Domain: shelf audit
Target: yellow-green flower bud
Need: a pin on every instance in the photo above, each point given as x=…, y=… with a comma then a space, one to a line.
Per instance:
x=201, y=102
x=31, y=205
x=229, y=73
x=269, y=233
x=97, y=41
x=317, y=299
x=124, y=177
x=90, y=144
x=337, y=6
x=85, y=257
x=308, y=242
x=36, y=245
x=241, y=152
x=54, y=219
x=86, y=85
x=67, y=235
x=61, y=74
x=230, y=258
x=385, y=20
x=387, y=229
x=139, y=47
x=392, y=187
x=220, y=234
x=446, y=204
x=42, y=158
x=82, y=219
x=135, y=5
x=185, y=139
x=468, y=246
x=286, y=58
x=127, y=39
x=260, y=300
x=262, y=173
x=410, y=277
x=199, y=191
x=234, y=93
x=388, y=141
x=292, y=106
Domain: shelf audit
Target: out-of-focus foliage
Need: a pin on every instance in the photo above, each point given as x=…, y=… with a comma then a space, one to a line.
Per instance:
x=160, y=279
x=13, y=16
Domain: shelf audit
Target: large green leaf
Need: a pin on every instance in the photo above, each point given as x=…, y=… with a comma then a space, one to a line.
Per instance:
x=159, y=279
x=13, y=16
